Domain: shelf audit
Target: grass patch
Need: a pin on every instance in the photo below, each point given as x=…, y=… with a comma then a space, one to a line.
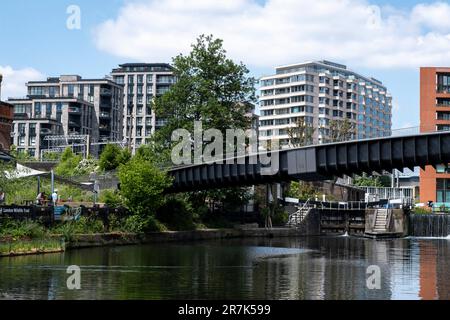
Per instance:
x=16, y=247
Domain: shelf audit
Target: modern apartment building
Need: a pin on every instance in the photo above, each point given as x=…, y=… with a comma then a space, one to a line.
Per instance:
x=36, y=118
x=6, y=118
x=435, y=116
x=319, y=92
x=67, y=105
x=142, y=83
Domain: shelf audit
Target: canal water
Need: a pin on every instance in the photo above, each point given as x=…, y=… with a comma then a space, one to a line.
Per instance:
x=289, y=268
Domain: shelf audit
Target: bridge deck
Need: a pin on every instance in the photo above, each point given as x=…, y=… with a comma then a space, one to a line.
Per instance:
x=320, y=162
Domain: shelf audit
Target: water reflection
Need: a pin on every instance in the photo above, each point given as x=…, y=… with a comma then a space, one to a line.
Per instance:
x=300, y=268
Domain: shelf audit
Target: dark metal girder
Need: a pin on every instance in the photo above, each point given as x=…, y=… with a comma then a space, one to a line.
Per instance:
x=321, y=162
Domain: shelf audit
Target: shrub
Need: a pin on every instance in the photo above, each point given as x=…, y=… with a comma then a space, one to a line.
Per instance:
x=112, y=157
x=111, y=198
x=142, y=186
x=176, y=214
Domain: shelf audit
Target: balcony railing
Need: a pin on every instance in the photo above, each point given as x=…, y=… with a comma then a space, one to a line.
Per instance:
x=105, y=92
x=443, y=89
x=74, y=110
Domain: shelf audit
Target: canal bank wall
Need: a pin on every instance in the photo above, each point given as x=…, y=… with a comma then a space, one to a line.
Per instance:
x=25, y=247
x=429, y=225
x=96, y=240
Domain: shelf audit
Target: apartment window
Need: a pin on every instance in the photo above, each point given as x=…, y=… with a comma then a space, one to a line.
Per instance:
x=22, y=108
x=130, y=79
x=324, y=90
x=139, y=109
x=267, y=112
x=32, y=152
x=140, y=99
x=281, y=121
x=265, y=83
x=32, y=140
x=119, y=79
x=21, y=129
x=443, y=102
x=442, y=190
x=21, y=140
x=282, y=91
x=81, y=91
x=70, y=90
x=48, y=110
x=282, y=111
x=267, y=92
x=140, y=78
x=282, y=132
x=36, y=91
x=282, y=101
x=282, y=80
x=139, y=121
x=150, y=89
x=266, y=133
x=264, y=123
x=37, y=109
x=324, y=111
x=324, y=80
x=265, y=103
x=53, y=91
x=443, y=127
x=443, y=82
x=149, y=78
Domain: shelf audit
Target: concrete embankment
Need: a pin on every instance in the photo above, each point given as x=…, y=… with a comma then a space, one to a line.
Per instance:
x=119, y=239
x=85, y=241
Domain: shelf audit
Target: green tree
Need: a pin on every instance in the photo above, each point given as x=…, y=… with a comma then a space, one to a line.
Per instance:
x=68, y=163
x=7, y=179
x=341, y=130
x=142, y=185
x=301, y=134
x=112, y=157
x=210, y=88
x=301, y=190
x=367, y=181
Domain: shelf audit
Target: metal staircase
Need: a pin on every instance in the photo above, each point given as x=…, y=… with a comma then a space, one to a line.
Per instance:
x=296, y=218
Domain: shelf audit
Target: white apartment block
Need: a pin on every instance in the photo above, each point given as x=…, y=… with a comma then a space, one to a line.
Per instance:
x=142, y=83
x=319, y=92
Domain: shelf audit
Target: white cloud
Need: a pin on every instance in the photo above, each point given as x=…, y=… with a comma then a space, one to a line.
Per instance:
x=283, y=31
x=13, y=84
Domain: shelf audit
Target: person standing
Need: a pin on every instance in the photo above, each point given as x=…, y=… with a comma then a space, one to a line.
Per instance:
x=2, y=197
x=55, y=197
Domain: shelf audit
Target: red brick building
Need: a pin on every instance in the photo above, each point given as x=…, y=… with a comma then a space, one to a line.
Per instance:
x=6, y=119
x=435, y=116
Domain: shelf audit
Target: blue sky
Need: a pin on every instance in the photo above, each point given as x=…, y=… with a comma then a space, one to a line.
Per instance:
x=36, y=42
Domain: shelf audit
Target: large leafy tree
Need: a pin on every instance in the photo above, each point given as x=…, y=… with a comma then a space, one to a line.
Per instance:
x=210, y=88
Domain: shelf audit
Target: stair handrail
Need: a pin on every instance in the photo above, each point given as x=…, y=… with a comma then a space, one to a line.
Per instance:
x=298, y=212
